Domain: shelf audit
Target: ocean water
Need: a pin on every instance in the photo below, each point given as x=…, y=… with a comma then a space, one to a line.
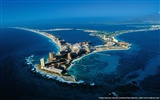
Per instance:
x=114, y=68
x=92, y=26
x=102, y=73
x=79, y=36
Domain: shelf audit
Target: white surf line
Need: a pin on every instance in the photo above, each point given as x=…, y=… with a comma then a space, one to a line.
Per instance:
x=58, y=29
x=80, y=65
x=102, y=54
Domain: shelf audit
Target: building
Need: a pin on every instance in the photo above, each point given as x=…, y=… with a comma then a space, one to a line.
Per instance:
x=42, y=62
x=88, y=50
x=76, y=47
x=52, y=56
x=69, y=56
x=77, y=51
x=55, y=70
x=114, y=40
x=122, y=43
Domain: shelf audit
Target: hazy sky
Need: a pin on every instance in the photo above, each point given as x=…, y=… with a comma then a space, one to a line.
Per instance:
x=27, y=10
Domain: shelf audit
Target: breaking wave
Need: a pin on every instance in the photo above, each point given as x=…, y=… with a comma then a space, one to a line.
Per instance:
x=29, y=61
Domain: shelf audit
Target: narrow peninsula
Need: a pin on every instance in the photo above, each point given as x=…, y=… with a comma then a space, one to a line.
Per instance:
x=58, y=64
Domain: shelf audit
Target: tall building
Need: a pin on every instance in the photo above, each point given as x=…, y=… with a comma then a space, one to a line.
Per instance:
x=69, y=56
x=51, y=55
x=42, y=62
x=88, y=50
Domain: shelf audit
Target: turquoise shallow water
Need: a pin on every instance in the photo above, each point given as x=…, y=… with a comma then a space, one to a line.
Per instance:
x=102, y=72
x=93, y=65
x=136, y=64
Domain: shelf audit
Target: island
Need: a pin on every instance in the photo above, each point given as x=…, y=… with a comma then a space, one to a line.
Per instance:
x=58, y=64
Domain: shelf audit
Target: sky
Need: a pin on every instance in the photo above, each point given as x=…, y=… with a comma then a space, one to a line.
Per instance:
x=13, y=11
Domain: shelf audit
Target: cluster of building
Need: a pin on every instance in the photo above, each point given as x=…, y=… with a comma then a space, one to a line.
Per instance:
x=110, y=42
x=58, y=63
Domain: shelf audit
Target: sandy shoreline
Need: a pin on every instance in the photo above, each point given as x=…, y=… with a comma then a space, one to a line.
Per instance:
x=93, y=53
x=57, y=42
x=53, y=38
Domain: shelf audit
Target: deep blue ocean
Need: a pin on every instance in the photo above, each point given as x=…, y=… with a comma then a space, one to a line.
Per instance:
x=102, y=73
